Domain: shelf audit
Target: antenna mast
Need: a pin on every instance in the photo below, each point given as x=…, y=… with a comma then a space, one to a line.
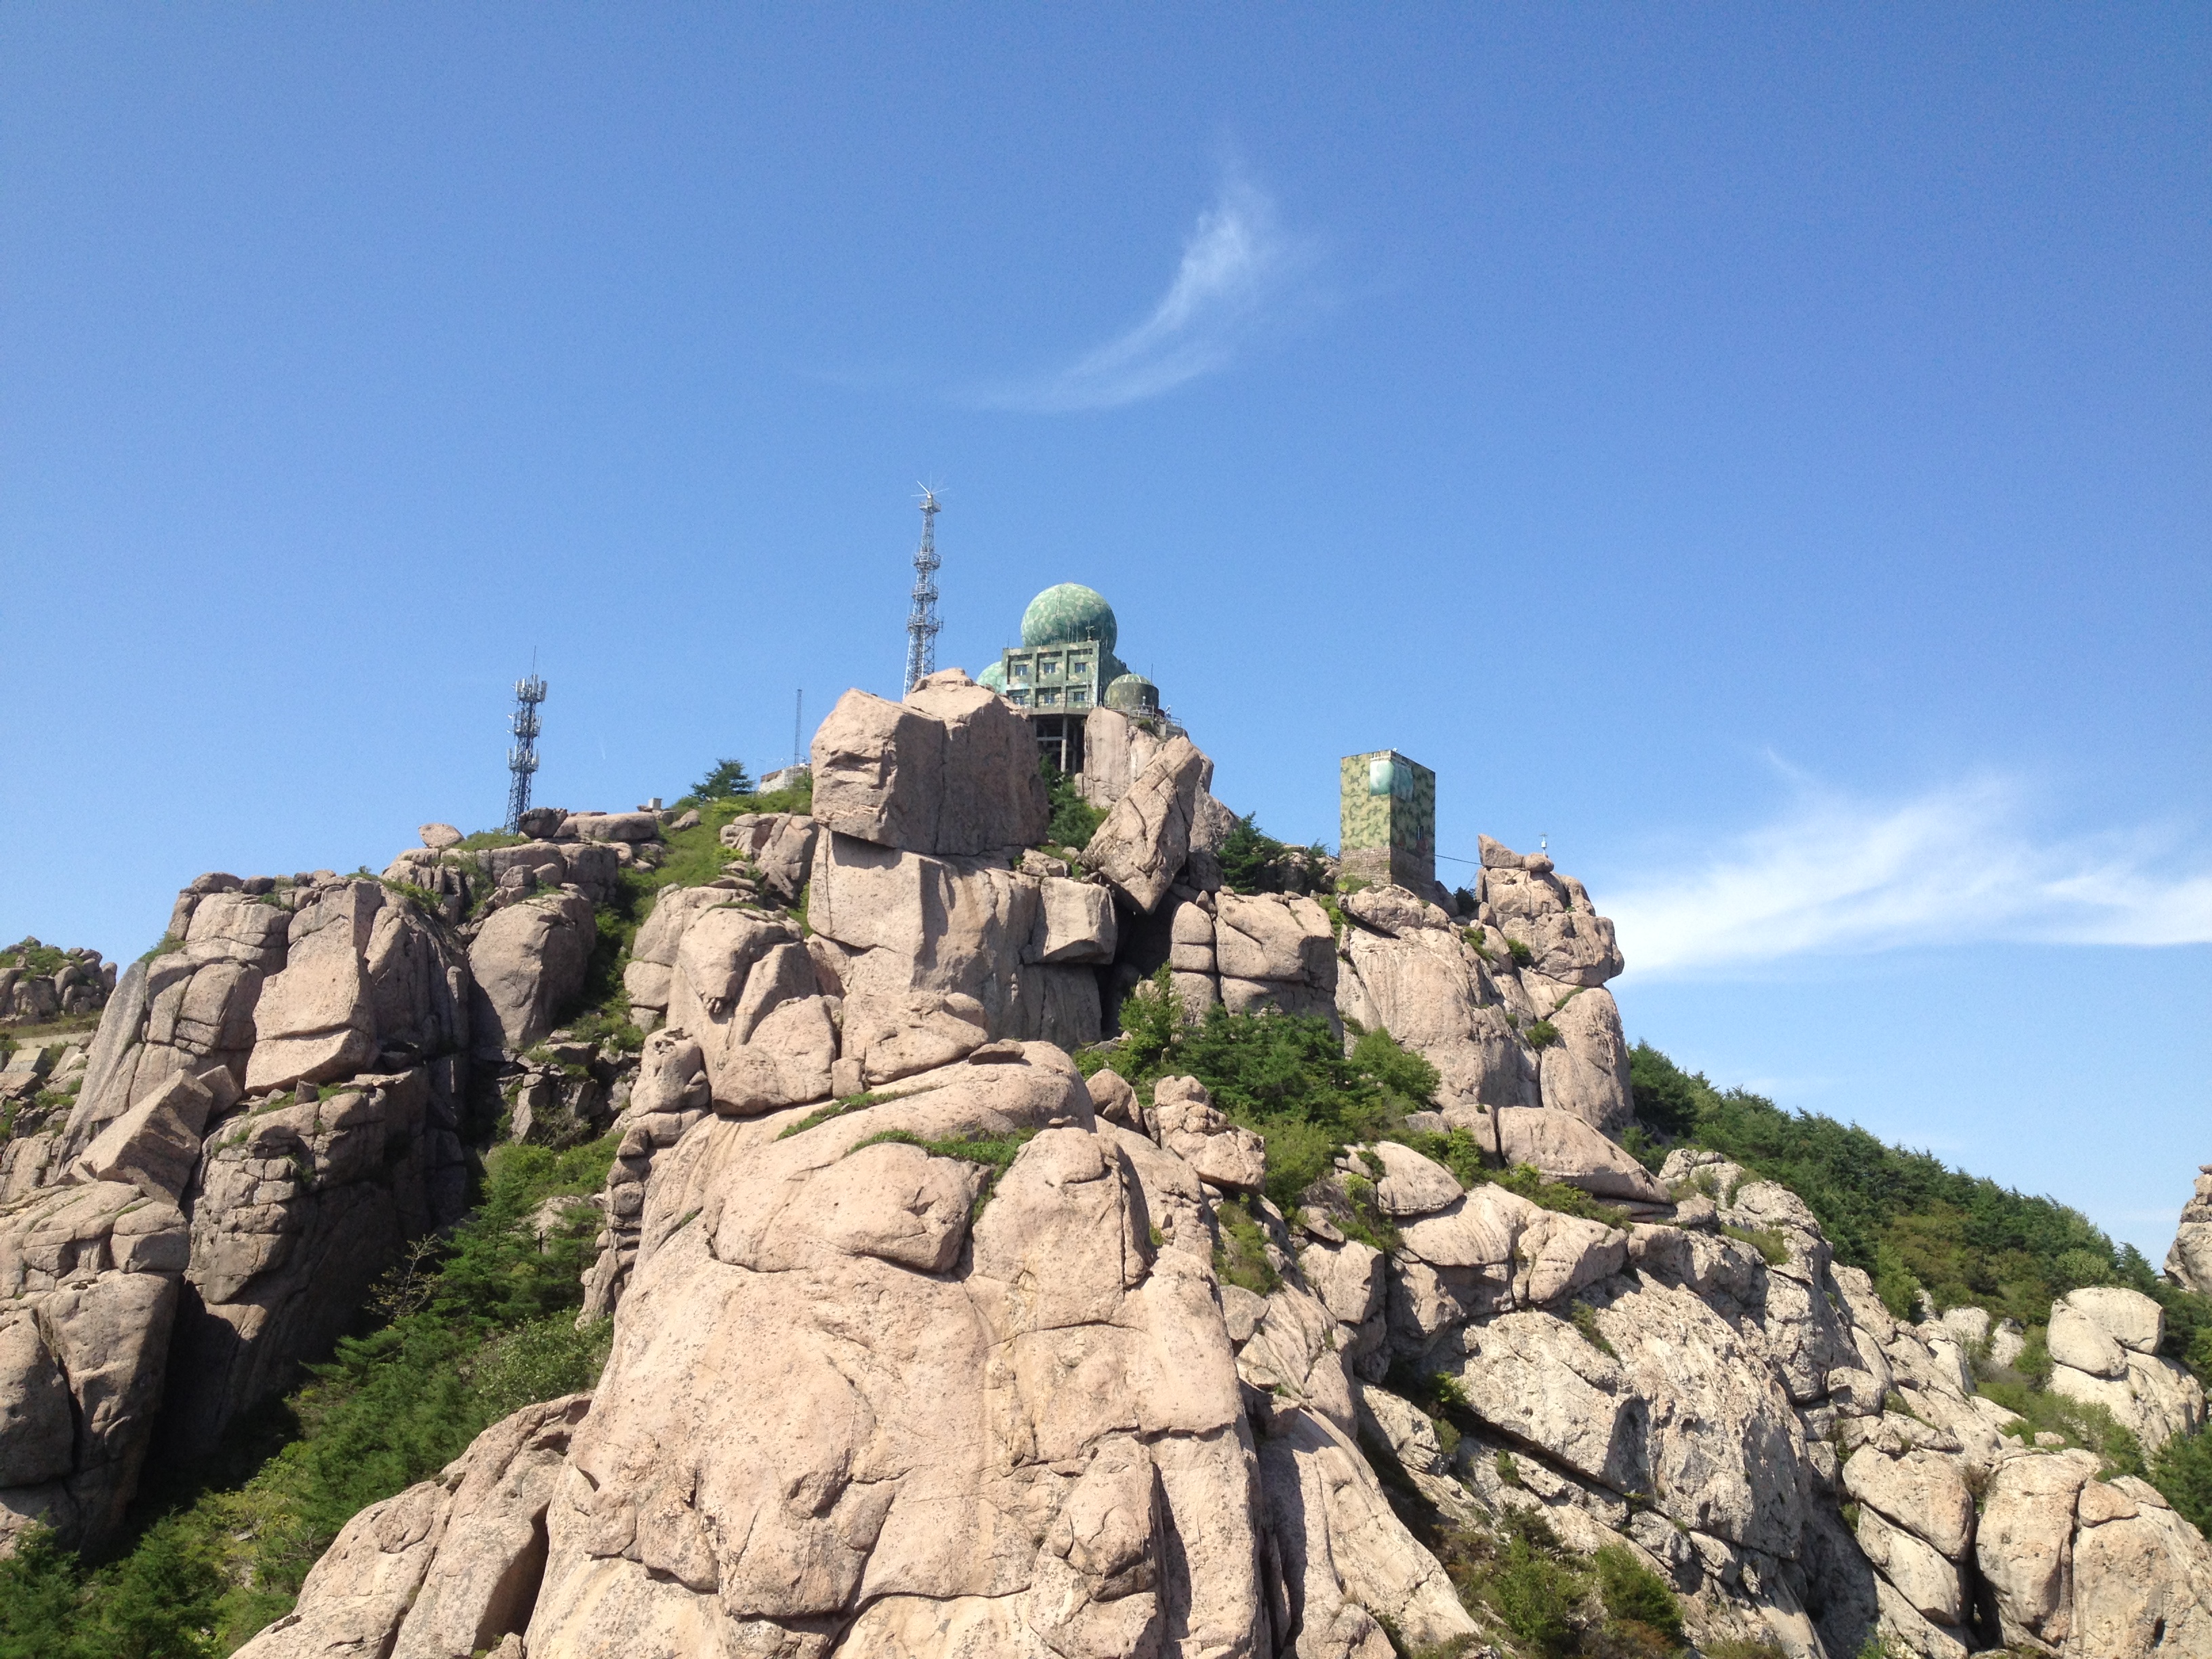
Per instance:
x=522, y=757
x=921, y=623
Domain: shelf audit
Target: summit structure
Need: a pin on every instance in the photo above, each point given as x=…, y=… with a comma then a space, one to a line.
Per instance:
x=1064, y=668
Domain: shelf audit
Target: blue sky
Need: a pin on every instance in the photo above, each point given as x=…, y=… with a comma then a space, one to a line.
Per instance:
x=1765, y=449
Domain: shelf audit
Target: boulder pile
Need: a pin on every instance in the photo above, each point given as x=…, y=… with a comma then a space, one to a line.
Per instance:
x=39, y=982
x=927, y=1345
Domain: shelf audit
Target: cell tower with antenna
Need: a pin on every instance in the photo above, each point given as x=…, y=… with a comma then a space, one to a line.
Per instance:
x=921, y=623
x=522, y=757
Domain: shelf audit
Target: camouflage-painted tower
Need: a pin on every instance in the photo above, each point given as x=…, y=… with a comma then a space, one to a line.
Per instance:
x=1390, y=820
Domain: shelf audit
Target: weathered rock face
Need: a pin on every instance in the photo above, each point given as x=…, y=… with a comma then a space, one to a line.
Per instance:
x=2104, y=1349
x=952, y=770
x=1565, y=1148
x=744, y=989
x=298, y=1206
x=329, y=987
x=447, y=1569
x=652, y=968
x=1460, y=997
x=671, y=1093
x=1145, y=838
x=186, y=1009
x=1117, y=748
x=929, y=959
x=528, y=964
x=848, y=1409
x=366, y=979
x=88, y=1284
x=781, y=845
x=2189, y=1263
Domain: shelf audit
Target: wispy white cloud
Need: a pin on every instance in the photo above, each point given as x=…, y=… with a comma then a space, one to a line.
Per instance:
x=1957, y=865
x=1236, y=271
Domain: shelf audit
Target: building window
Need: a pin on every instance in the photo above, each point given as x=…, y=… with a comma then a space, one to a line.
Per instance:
x=1078, y=693
x=1047, y=697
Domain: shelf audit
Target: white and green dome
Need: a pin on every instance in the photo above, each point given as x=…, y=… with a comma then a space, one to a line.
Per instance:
x=994, y=676
x=1068, y=614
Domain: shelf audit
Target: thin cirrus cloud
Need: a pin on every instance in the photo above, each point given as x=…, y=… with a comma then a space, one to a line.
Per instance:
x=1238, y=275
x=1958, y=865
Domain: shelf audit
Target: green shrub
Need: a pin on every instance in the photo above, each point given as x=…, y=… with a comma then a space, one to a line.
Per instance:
x=2083, y=1424
x=2182, y=1471
x=1286, y=1076
x=1585, y=1322
x=1522, y=956
x=1770, y=1245
x=1074, y=820
x=1241, y=1256
x=1538, y=1595
x=728, y=780
x=1633, y=1594
x=1541, y=1034
x=163, y=946
x=1741, y=1647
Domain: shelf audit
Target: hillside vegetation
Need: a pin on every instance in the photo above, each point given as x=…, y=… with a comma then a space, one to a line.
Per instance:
x=1922, y=1229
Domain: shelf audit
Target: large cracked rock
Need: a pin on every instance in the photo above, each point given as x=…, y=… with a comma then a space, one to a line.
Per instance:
x=2103, y=1346
x=365, y=979
x=744, y=990
x=1141, y=846
x=951, y=771
x=448, y=1568
x=88, y=1284
x=528, y=963
x=299, y=1205
x=856, y=1407
x=185, y=1010
x=1461, y=997
x=2189, y=1262
x=930, y=959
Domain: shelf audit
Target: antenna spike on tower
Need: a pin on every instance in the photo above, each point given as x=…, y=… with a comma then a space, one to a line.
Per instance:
x=921, y=621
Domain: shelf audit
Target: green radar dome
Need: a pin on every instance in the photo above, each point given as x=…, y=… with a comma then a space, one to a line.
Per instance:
x=1067, y=614
x=994, y=676
x=1133, y=694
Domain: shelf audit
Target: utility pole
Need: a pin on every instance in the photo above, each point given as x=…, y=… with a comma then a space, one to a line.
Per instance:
x=921, y=623
x=522, y=757
x=798, y=724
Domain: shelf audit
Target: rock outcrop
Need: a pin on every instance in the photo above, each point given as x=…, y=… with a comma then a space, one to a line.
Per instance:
x=89, y=1275
x=1509, y=1004
x=2189, y=1263
x=288, y=1073
x=1142, y=845
x=39, y=982
x=298, y=1204
x=869, y=1395
x=447, y=1569
x=950, y=770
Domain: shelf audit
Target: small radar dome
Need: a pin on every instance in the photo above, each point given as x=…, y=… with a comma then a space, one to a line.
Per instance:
x=1133, y=694
x=994, y=678
x=1068, y=614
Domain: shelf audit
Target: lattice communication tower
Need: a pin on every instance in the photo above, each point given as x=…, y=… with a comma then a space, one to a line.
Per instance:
x=522, y=757
x=921, y=623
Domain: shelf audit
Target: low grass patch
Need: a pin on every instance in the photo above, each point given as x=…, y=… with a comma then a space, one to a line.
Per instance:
x=996, y=1153
x=1770, y=1245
